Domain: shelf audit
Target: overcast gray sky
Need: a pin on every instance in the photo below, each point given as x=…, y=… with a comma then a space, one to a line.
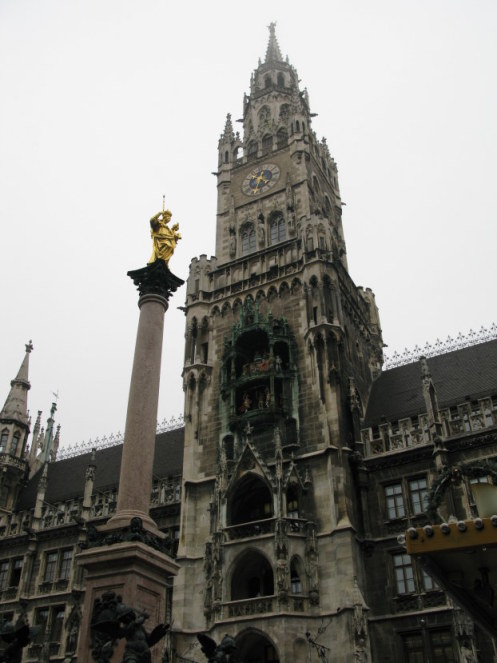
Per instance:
x=108, y=104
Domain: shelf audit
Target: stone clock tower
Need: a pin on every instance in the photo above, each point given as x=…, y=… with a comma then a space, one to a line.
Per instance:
x=281, y=349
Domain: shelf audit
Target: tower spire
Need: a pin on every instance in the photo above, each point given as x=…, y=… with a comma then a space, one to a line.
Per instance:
x=16, y=405
x=273, y=53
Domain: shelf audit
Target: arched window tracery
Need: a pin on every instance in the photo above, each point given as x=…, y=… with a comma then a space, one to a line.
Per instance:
x=277, y=228
x=248, y=239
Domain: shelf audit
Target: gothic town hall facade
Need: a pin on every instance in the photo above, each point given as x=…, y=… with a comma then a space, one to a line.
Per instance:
x=300, y=461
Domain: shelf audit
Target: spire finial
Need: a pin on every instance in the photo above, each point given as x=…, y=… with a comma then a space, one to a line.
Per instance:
x=273, y=53
x=29, y=346
x=163, y=202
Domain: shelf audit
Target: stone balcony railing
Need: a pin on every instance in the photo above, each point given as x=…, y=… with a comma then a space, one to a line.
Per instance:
x=263, y=605
x=267, y=526
x=165, y=491
x=252, y=529
x=256, y=606
x=395, y=436
x=6, y=460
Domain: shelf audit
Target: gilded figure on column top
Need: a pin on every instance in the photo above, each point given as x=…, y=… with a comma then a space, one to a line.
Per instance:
x=164, y=238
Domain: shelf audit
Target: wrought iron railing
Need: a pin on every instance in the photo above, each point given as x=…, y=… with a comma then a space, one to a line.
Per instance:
x=441, y=347
x=113, y=440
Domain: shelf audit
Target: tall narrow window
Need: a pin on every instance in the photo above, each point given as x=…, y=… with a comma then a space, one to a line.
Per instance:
x=295, y=582
x=404, y=574
x=41, y=619
x=252, y=150
x=282, y=138
x=292, y=501
x=267, y=144
x=15, y=576
x=65, y=565
x=50, y=567
x=4, y=436
x=248, y=241
x=57, y=622
x=395, y=501
x=418, y=492
x=14, y=444
x=278, y=230
x=4, y=574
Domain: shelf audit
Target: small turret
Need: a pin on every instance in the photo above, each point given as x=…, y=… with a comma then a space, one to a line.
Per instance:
x=431, y=400
x=40, y=498
x=15, y=410
x=45, y=444
x=14, y=430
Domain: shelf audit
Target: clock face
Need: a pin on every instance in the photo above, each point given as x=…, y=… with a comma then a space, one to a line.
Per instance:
x=260, y=179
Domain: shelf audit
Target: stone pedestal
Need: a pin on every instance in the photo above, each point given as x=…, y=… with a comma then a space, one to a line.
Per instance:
x=139, y=574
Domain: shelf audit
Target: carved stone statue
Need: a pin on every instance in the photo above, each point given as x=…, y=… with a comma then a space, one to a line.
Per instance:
x=16, y=637
x=164, y=238
x=112, y=620
x=232, y=240
x=217, y=653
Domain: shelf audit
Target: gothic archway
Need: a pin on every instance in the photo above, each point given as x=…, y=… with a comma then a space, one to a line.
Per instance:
x=251, y=500
x=255, y=647
x=252, y=577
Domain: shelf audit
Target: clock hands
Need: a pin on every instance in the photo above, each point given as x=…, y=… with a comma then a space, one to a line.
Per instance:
x=259, y=181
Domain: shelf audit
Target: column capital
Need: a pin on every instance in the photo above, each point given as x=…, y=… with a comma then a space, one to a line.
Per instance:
x=155, y=279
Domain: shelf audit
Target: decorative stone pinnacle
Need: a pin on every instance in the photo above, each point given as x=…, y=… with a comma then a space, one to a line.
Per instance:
x=29, y=346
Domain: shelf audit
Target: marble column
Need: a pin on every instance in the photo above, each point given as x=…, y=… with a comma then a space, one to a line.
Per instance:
x=155, y=284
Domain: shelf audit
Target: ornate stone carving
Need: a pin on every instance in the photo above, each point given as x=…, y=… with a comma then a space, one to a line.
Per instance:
x=312, y=563
x=135, y=532
x=155, y=279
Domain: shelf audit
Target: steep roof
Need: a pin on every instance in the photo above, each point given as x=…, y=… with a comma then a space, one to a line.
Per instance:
x=66, y=478
x=467, y=373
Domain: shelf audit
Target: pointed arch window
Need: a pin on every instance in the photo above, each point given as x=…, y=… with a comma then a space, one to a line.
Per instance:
x=248, y=240
x=252, y=577
x=267, y=81
x=15, y=444
x=295, y=581
x=282, y=138
x=277, y=227
x=250, y=501
x=292, y=501
x=280, y=80
x=267, y=144
x=4, y=436
x=252, y=150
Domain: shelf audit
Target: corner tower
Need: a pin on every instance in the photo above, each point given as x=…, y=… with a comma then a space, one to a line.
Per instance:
x=281, y=349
